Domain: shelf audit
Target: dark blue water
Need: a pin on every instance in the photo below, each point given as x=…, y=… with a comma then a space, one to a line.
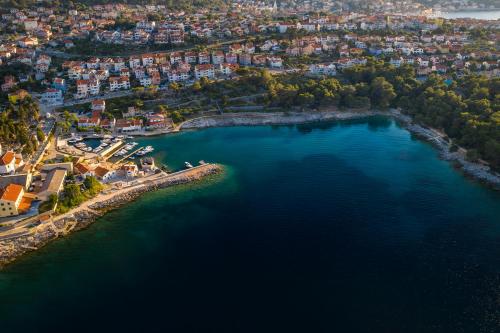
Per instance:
x=350, y=227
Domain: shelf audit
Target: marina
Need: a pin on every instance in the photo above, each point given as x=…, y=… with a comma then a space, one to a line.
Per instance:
x=109, y=146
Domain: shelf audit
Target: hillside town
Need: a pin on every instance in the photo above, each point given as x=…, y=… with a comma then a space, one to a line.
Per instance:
x=78, y=81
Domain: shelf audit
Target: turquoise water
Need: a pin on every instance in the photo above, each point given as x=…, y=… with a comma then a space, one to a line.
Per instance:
x=350, y=227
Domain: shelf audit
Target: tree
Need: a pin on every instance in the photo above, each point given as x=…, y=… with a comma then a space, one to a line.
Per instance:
x=73, y=195
x=381, y=92
x=40, y=135
x=92, y=185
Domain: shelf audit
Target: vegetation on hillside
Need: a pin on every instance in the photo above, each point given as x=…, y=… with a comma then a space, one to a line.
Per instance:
x=467, y=109
x=18, y=125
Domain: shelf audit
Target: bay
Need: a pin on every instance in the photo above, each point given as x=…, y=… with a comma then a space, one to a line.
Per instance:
x=352, y=226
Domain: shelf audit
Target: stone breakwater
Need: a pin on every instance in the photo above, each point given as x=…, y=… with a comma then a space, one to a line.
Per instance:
x=274, y=118
x=80, y=218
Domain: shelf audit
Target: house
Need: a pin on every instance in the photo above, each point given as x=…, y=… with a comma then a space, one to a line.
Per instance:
x=128, y=125
x=275, y=62
x=53, y=184
x=28, y=42
x=217, y=57
x=117, y=83
x=9, y=83
x=129, y=170
x=23, y=179
x=98, y=105
x=227, y=69
x=108, y=123
x=134, y=62
x=60, y=84
x=157, y=120
x=175, y=57
x=204, y=70
x=323, y=69
x=8, y=163
x=104, y=173
x=84, y=170
x=177, y=75
x=52, y=96
x=87, y=87
x=86, y=122
x=190, y=57
x=231, y=58
x=245, y=59
x=203, y=58
x=10, y=200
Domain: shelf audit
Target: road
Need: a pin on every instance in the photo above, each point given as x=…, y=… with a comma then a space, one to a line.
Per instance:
x=66, y=55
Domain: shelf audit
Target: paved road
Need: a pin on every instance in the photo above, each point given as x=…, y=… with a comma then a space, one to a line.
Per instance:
x=66, y=55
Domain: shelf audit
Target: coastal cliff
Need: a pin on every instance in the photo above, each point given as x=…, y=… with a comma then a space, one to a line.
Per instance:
x=84, y=215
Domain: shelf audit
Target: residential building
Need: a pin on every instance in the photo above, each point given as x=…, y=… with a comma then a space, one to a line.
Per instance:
x=204, y=70
x=10, y=200
x=8, y=163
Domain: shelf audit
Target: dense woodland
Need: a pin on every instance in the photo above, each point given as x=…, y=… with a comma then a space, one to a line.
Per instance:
x=18, y=125
x=467, y=109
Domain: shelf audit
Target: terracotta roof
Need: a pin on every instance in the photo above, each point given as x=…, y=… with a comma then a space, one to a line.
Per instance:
x=7, y=158
x=101, y=171
x=11, y=192
x=82, y=168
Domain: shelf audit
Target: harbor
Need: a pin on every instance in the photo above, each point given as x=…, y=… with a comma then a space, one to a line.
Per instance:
x=108, y=147
x=38, y=231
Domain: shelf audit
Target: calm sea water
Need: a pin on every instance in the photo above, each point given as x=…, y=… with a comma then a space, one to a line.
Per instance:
x=477, y=14
x=342, y=227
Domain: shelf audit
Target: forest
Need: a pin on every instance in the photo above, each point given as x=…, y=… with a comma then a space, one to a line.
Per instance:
x=466, y=108
x=18, y=125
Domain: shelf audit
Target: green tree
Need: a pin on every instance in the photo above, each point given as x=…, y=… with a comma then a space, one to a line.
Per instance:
x=381, y=92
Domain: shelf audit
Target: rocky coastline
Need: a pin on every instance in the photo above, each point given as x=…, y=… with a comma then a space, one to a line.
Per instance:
x=274, y=118
x=82, y=217
x=475, y=170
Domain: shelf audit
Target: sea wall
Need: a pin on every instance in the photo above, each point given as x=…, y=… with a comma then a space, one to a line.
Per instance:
x=60, y=226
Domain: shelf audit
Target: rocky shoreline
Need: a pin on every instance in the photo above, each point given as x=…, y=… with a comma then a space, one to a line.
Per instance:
x=60, y=226
x=274, y=118
x=476, y=170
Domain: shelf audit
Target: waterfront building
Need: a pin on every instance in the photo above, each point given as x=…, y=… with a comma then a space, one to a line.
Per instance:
x=10, y=200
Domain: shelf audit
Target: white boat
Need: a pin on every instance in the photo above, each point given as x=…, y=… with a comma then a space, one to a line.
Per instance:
x=188, y=165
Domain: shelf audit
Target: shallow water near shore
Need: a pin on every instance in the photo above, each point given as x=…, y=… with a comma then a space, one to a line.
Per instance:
x=349, y=226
